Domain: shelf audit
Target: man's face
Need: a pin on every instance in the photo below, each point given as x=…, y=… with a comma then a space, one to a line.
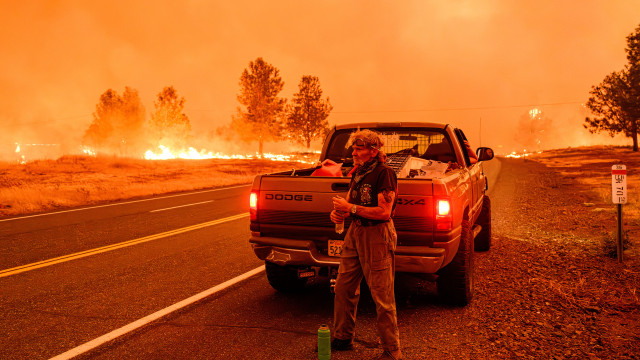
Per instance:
x=362, y=153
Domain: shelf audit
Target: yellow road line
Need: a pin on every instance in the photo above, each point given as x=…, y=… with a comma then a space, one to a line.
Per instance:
x=78, y=255
x=122, y=203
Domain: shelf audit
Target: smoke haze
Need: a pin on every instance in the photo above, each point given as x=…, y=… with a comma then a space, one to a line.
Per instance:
x=476, y=64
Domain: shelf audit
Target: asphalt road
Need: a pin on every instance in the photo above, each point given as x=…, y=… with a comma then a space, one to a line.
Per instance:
x=68, y=302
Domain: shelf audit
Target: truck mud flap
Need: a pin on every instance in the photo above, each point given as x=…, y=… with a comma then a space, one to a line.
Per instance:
x=476, y=230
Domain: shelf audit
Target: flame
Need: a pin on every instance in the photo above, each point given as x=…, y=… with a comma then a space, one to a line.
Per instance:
x=515, y=156
x=524, y=154
x=22, y=160
x=88, y=151
x=533, y=113
x=166, y=153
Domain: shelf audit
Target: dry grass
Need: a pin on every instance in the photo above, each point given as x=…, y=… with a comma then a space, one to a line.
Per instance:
x=590, y=167
x=78, y=180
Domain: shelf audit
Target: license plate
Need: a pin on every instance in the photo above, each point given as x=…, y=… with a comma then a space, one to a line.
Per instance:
x=306, y=273
x=335, y=247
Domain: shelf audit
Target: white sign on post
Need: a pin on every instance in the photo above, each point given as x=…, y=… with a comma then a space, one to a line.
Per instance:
x=619, y=184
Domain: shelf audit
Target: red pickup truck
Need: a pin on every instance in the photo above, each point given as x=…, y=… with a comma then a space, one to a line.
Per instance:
x=442, y=212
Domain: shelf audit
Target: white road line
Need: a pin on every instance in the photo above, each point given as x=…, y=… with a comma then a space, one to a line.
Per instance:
x=155, y=316
x=175, y=207
x=123, y=203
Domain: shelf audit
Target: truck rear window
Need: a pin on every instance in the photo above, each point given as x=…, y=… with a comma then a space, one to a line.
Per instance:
x=429, y=144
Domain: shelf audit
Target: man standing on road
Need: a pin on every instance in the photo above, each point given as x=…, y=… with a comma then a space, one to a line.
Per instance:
x=369, y=245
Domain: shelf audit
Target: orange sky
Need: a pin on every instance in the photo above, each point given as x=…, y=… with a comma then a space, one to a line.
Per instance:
x=462, y=61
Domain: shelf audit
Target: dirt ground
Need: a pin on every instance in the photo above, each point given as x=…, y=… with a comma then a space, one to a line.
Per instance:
x=547, y=289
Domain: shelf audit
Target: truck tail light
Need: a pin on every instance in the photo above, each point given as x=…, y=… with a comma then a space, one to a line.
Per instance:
x=443, y=214
x=253, y=206
x=443, y=207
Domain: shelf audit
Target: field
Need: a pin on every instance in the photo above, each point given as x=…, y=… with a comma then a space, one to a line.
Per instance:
x=71, y=181
x=585, y=174
x=590, y=168
x=82, y=180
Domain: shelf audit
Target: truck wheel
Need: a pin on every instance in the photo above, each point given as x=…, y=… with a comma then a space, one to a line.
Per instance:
x=455, y=281
x=284, y=278
x=483, y=240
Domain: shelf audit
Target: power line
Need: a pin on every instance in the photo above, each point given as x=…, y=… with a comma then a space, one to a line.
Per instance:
x=457, y=109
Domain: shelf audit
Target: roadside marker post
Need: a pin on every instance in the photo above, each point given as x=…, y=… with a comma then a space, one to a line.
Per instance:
x=619, y=196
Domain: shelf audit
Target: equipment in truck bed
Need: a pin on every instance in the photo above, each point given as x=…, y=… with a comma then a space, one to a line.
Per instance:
x=406, y=165
x=398, y=162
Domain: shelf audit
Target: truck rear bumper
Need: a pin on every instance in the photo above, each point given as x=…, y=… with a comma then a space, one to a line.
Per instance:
x=410, y=259
x=291, y=252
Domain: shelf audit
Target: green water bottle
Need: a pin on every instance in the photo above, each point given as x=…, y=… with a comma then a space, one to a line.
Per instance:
x=324, y=343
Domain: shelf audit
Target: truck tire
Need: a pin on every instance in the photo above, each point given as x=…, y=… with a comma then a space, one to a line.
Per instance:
x=455, y=281
x=483, y=240
x=284, y=278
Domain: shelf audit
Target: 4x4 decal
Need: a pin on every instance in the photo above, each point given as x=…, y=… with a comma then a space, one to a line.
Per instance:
x=402, y=201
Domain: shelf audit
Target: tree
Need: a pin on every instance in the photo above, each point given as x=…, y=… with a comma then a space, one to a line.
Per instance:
x=611, y=102
x=169, y=126
x=101, y=129
x=133, y=112
x=615, y=102
x=307, y=115
x=260, y=85
x=117, y=122
x=633, y=101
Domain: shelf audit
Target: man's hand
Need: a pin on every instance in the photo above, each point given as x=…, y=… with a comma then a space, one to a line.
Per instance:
x=340, y=204
x=338, y=217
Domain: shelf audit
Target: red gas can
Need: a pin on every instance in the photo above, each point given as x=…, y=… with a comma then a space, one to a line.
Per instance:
x=328, y=168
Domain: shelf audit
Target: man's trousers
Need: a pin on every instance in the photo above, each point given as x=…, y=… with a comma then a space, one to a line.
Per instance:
x=367, y=251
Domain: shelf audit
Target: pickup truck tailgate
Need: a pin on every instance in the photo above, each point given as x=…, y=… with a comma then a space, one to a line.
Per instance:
x=300, y=207
x=292, y=201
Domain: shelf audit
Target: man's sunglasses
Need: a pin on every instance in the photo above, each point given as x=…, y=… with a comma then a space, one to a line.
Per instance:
x=362, y=143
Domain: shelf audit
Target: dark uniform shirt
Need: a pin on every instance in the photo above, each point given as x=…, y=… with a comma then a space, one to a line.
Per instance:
x=365, y=192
